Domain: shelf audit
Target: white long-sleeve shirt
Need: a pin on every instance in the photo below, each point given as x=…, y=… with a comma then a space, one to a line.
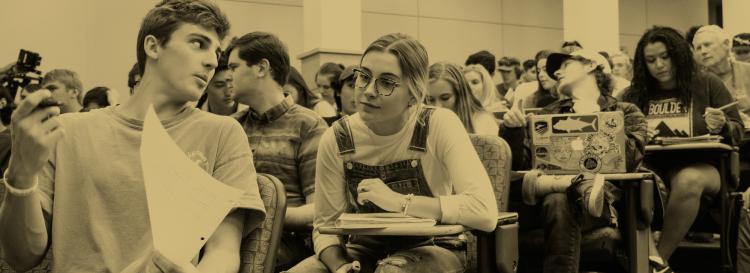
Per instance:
x=451, y=167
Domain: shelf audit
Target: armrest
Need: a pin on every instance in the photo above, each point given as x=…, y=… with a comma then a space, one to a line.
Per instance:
x=497, y=251
x=504, y=218
x=647, y=201
x=643, y=184
x=734, y=170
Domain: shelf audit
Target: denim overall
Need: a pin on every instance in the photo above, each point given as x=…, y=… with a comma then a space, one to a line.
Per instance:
x=404, y=177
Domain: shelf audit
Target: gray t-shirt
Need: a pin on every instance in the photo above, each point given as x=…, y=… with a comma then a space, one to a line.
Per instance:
x=92, y=189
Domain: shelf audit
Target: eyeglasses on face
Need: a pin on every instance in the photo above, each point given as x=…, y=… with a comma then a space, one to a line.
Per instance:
x=383, y=86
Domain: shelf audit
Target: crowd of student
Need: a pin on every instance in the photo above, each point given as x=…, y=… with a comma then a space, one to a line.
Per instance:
x=387, y=134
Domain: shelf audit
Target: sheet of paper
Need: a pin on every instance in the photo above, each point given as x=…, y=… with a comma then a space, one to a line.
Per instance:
x=185, y=203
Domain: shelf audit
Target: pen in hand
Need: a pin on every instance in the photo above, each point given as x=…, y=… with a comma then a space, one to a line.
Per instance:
x=726, y=106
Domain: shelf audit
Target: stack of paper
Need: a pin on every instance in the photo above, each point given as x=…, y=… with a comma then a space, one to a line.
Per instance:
x=380, y=220
x=696, y=139
x=185, y=204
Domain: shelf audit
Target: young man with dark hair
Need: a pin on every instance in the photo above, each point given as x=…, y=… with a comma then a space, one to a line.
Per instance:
x=66, y=88
x=284, y=135
x=585, y=203
x=483, y=58
x=89, y=206
x=219, y=95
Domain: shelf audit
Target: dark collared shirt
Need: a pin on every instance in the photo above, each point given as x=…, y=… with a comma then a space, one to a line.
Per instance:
x=284, y=141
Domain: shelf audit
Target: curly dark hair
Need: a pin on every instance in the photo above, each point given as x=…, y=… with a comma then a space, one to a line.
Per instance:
x=682, y=62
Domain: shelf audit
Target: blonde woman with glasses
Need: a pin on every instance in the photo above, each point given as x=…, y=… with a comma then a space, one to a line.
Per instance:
x=396, y=155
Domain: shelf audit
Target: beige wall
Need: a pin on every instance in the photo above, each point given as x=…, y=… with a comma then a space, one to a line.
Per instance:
x=638, y=15
x=96, y=38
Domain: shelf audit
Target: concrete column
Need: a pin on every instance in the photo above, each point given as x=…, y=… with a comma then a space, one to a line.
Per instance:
x=332, y=33
x=594, y=23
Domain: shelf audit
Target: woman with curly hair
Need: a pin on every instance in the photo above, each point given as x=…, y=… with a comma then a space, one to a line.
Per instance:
x=448, y=89
x=680, y=100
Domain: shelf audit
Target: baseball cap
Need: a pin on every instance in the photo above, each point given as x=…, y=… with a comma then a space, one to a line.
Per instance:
x=348, y=72
x=555, y=60
x=741, y=40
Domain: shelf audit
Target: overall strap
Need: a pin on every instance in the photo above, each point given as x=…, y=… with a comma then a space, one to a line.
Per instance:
x=421, y=128
x=344, y=137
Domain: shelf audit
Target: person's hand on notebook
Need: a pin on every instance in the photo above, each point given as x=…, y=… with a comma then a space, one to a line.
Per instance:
x=651, y=133
x=515, y=117
x=715, y=119
x=374, y=190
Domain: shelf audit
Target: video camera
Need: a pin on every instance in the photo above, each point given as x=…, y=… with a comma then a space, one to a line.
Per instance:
x=28, y=61
x=23, y=72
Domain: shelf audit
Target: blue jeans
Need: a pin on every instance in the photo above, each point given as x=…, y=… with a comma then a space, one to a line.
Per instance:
x=293, y=248
x=422, y=259
x=563, y=225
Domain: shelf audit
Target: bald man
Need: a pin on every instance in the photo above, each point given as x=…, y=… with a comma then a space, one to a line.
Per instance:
x=713, y=47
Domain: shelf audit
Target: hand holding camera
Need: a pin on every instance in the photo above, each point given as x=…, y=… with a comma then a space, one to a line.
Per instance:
x=34, y=132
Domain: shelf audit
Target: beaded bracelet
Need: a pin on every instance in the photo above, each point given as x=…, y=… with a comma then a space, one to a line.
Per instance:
x=19, y=192
x=406, y=203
